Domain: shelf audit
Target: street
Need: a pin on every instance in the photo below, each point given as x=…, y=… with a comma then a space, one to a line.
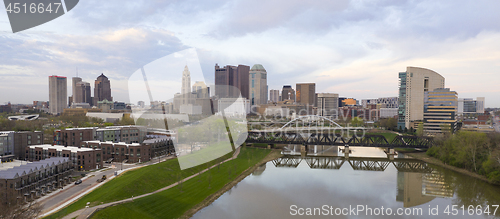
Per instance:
x=61, y=196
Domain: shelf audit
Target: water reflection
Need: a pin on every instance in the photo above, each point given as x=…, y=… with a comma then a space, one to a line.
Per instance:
x=368, y=177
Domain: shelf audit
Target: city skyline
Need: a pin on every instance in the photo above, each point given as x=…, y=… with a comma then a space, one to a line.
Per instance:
x=355, y=52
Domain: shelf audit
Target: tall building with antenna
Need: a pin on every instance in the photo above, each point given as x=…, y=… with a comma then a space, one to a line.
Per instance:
x=74, y=81
x=186, y=85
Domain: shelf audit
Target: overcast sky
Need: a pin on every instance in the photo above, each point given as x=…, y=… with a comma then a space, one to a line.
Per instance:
x=354, y=48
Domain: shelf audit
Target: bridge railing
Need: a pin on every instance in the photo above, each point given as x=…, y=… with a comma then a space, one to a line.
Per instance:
x=336, y=139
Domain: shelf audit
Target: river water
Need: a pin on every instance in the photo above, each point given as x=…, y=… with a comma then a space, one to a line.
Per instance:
x=324, y=184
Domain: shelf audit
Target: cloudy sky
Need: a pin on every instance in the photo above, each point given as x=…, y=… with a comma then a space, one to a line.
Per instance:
x=354, y=48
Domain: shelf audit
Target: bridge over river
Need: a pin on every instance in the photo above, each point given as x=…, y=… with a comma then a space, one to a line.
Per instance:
x=318, y=130
x=357, y=163
x=335, y=139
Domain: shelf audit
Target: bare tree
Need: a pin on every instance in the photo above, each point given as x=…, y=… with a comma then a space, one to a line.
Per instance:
x=15, y=207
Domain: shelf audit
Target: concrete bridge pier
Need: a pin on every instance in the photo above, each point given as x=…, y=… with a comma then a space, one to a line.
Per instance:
x=390, y=153
x=303, y=149
x=390, y=156
x=346, y=151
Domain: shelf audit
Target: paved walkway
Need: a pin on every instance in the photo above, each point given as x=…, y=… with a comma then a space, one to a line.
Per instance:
x=86, y=212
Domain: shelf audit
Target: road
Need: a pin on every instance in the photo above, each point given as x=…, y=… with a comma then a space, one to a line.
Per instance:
x=496, y=124
x=70, y=191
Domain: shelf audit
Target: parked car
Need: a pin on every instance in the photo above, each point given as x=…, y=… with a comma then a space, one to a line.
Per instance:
x=78, y=182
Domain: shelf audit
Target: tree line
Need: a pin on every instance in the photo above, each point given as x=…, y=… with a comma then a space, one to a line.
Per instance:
x=474, y=151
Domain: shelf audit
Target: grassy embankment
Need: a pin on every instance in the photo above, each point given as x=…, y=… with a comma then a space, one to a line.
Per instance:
x=141, y=181
x=174, y=202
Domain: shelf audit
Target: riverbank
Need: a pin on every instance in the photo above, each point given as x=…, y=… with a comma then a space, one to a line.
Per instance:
x=426, y=158
x=274, y=154
x=181, y=198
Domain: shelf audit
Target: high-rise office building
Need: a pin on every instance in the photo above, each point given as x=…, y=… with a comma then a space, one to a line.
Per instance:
x=58, y=91
x=229, y=77
x=412, y=87
x=440, y=111
x=258, y=85
x=306, y=93
x=287, y=93
x=102, y=89
x=186, y=86
x=82, y=93
x=74, y=81
x=201, y=90
x=328, y=104
x=274, y=96
x=469, y=105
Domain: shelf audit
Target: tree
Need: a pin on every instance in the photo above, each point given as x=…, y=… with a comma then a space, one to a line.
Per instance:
x=420, y=129
x=13, y=207
x=356, y=121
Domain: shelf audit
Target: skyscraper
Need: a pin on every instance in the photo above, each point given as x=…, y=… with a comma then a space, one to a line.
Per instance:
x=469, y=105
x=328, y=105
x=274, y=96
x=440, y=111
x=288, y=93
x=306, y=93
x=82, y=93
x=258, y=85
x=74, y=81
x=186, y=86
x=58, y=91
x=102, y=89
x=235, y=76
x=412, y=87
x=201, y=90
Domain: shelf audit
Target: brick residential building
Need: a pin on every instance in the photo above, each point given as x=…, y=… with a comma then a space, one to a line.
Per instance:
x=13, y=144
x=83, y=159
x=35, y=179
x=74, y=136
x=120, y=152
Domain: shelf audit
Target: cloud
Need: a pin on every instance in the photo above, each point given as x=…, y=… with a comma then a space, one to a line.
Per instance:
x=355, y=48
x=116, y=53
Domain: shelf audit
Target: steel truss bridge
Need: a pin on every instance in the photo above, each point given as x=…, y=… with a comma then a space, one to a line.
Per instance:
x=335, y=139
x=357, y=163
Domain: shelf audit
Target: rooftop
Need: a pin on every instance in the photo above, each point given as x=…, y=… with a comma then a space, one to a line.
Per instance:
x=24, y=169
x=258, y=67
x=61, y=148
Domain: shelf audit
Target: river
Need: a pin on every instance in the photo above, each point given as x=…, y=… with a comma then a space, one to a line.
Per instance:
x=368, y=184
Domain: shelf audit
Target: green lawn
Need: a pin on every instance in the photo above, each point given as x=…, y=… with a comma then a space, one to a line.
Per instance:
x=174, y=202
x=388, y=135
x=136, y=182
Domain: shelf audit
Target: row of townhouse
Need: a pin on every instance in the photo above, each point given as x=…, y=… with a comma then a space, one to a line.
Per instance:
x=35, y=179
x=83, y=159
x=134, y=152
x=75, y=136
